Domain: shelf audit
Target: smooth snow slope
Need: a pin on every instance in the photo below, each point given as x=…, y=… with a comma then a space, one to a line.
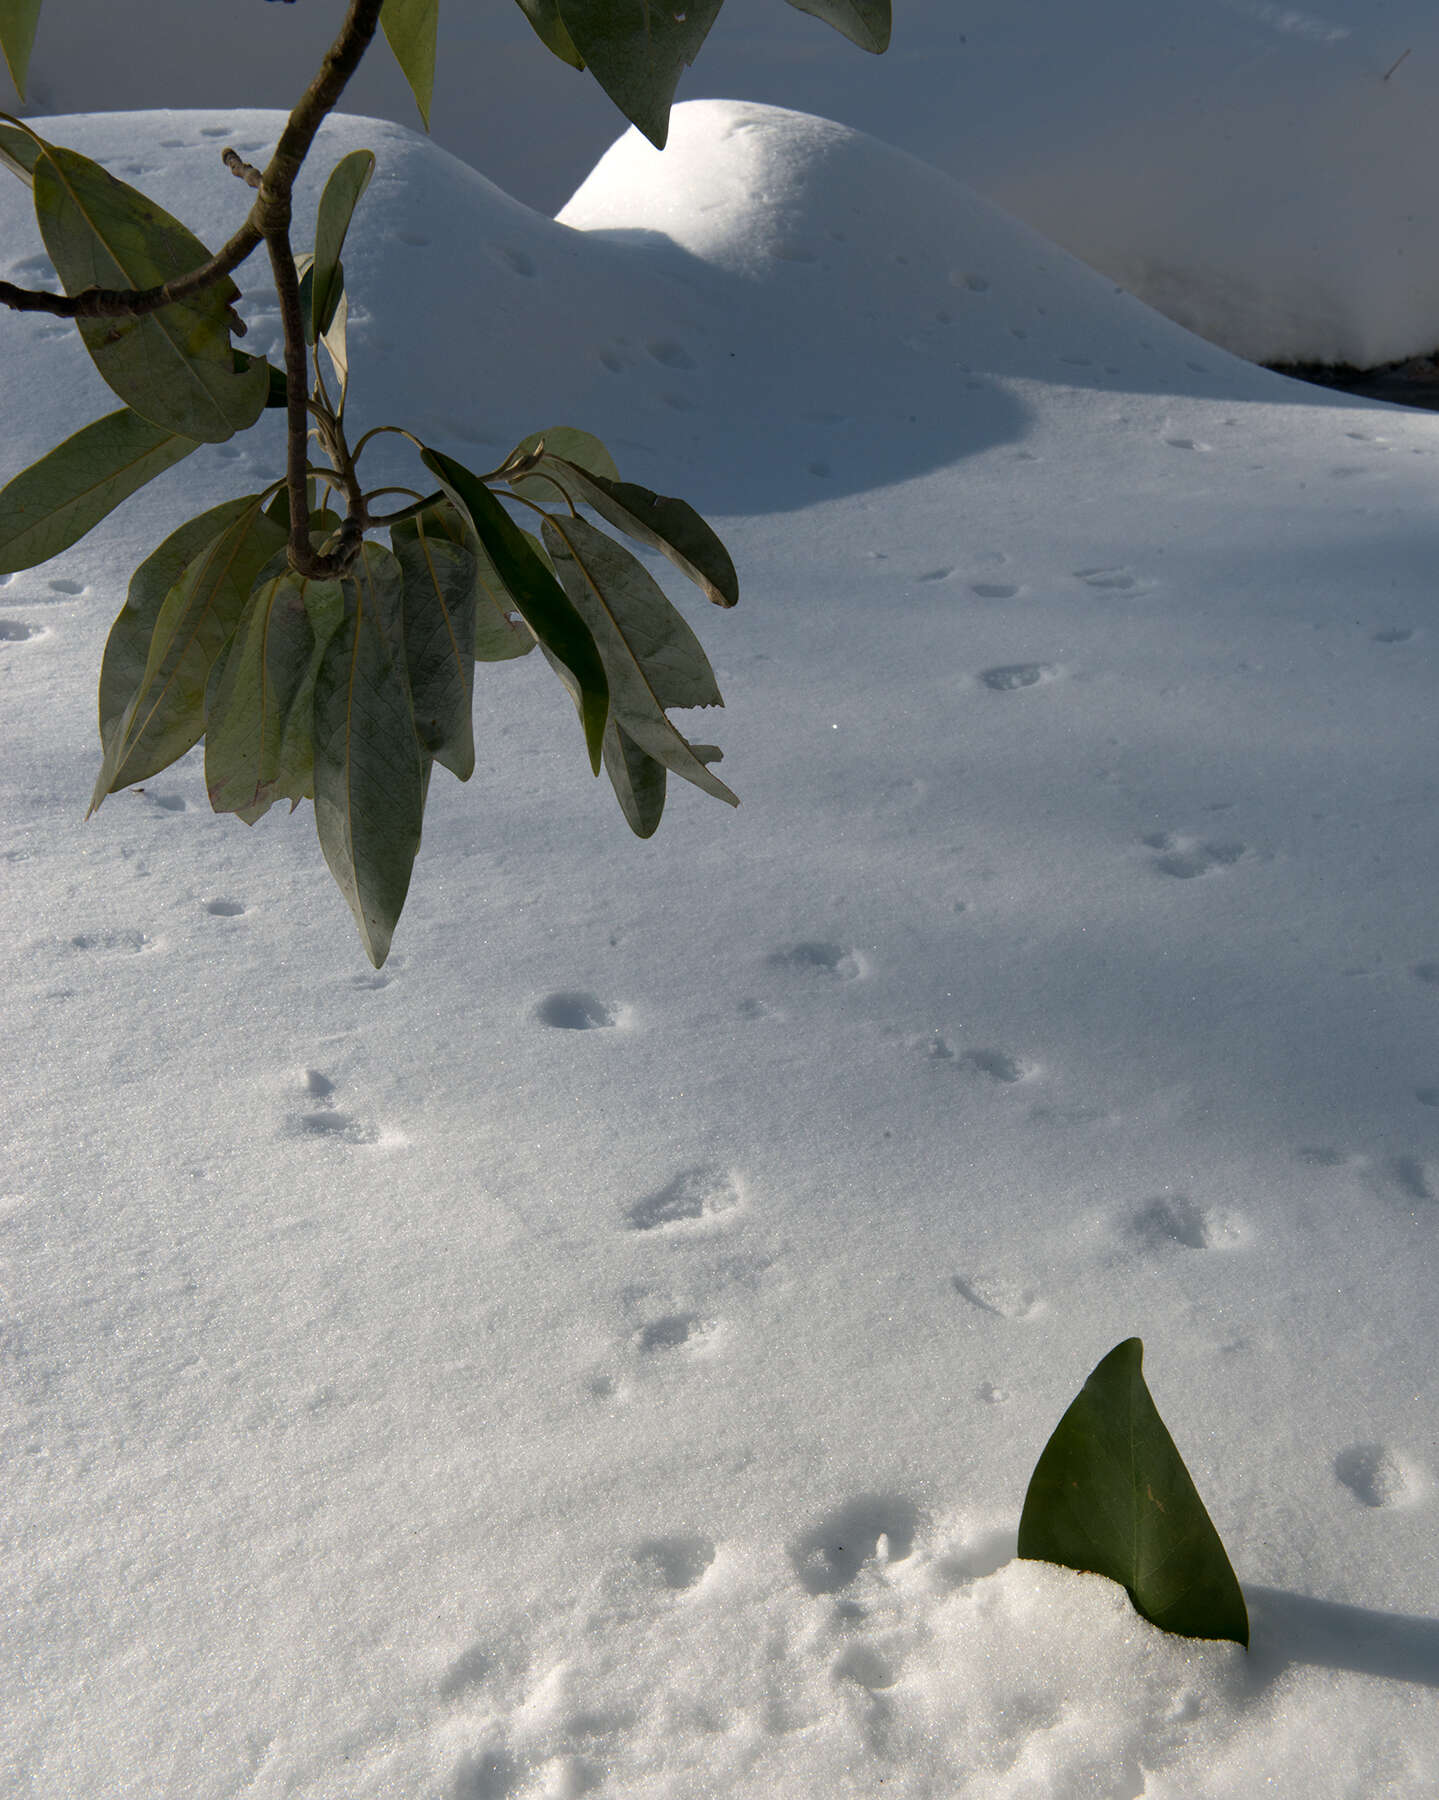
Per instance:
x=605, y=1351
x=1261, y=172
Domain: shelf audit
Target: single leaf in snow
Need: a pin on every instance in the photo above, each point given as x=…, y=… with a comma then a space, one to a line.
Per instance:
x=54, y=502
x=537, y=596
x=1110, y=1494
x=651, y=657
x=411, y=28
x=637, y=50
x=659, y=522
x=370, y=772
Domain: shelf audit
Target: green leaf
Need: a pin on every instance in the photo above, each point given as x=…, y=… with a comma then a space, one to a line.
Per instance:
x=670, y=526
x=637, y=51
x=347, y=181
x=411, y=27
x=54, y=502
x=370, y=772
x=163, y=714
x=538, y=598
x=440, y=601
x=1110, y=1494
x=638, y=780
x=18, y=19
x=259, y=742
x=581, y=448
x=652, y=659
x=863, y=22
x=175, y=367
x=19, y=147
x=498, y=637
x=549, y=27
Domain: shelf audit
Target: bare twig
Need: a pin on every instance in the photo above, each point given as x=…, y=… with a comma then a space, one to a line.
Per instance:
x=237, y=165
x=1395, y=64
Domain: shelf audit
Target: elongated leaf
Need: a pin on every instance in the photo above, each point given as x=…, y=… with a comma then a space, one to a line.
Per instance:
x=165, y=713
x=370, y=773
x=18, y=19
x=863, y=22
x=549, y=27
x=411, y=27
x=637, y=51
x=259, y=711
x=347, y=181
x=175, y=367
x=652, y=659
x=127, y=649
x=670, y=526
x=1111, y=1494
x=537, y=596
x=638, y=780
x=498, y=636
x=440, y=599
x=54, y=502
x=335, y=338
x=19, y=148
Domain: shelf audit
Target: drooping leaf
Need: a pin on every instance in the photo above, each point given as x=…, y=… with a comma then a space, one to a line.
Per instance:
x=537, y=596
x=18, y=19
x=164, y=714
x=260, y=703
x=54, y=502
x=347, y=181
x=411, y=28
x=370, y=772
x=659, y=522
x=440, y=601
x=652, y=659
x=498, y=636
x=175, y=367
x=638, y=780
x=637, y=51
x=1110, y=1494
x=581, y=448
x=863, y=22
x=19, y=147
x=549, y=27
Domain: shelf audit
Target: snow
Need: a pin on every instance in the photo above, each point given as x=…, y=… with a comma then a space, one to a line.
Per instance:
x=604, y=1351
x=1258, y=171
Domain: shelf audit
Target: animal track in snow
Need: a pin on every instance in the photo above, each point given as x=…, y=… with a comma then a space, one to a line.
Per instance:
x=1176, y=1220
x=670, y=353
x=14, y=631
x=1413, y=1178
x=324, y=1119
x=676, y=1563
x=225, y=909
x=1120, y=579
x=694, y=1196
x=870, y=1528
x=1187, y=443
x=1012, y=676
x=993, y=590
x=1186, y=857
x=1375, y=1475
x=674, y=1331
x=115, y=943
x=1427, y=971
x=573, y=1010
x=994, y=1065
x=1396, y=634
x=999, y=1295
x=520, y=264
x=818, y=958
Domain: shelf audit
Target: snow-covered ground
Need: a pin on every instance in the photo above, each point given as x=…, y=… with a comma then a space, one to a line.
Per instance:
x=1262, y=172
x=604, y=1352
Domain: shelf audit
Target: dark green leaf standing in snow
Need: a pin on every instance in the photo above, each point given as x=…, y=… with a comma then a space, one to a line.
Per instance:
x=370, y=772
x=18, y=19
x=347, y=181
x=175, y=367
x=1110, y=1494
x=411, y=29
x=52, y=504
x=164, y=714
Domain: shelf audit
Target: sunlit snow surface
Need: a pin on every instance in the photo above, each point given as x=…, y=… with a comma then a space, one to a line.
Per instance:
x=604, y=1351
